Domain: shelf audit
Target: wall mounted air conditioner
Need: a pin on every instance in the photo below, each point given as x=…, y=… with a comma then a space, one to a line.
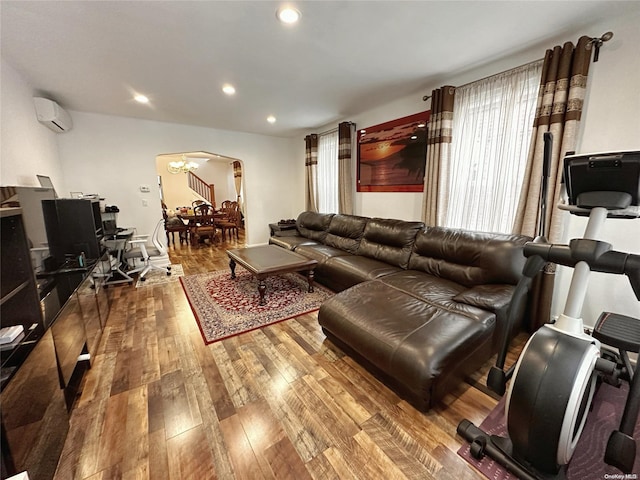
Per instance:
x=52, y=115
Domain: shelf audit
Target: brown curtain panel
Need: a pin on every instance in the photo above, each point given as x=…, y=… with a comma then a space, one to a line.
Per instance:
x=345, y=168
x=560, y=100
x=311, y=171
x=237, y=180
x=438, y=156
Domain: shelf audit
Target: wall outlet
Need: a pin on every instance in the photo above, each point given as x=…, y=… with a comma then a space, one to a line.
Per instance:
x=145, y=202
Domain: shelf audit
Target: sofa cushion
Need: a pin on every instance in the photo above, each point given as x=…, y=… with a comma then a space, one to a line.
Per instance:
x=419, y=345
x=469, y=258
x=436, y=291
x=389, y=240
x=489, y=297
x=347, y=270
x=314, y=225
x=345, y=232
x=424, y=286
x=291, y=242
x=319, y=252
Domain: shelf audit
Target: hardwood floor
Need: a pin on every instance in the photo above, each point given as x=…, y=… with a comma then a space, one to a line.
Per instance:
x=279, y=402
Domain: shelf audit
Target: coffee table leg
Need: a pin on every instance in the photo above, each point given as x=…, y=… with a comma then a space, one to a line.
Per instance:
x=262, y=288
x=232, y=266
x=310, y=277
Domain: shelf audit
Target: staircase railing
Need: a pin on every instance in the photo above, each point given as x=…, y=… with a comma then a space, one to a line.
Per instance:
x=6, y=193
x=202, y=188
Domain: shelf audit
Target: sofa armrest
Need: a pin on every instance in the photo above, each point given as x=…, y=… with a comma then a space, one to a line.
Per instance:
x=487, y=297
x=286, y=233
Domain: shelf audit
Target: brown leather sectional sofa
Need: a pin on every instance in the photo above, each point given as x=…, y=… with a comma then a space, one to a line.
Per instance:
x=420, y=306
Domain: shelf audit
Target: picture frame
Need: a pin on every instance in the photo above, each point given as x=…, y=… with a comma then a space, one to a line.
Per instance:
x=392, y=155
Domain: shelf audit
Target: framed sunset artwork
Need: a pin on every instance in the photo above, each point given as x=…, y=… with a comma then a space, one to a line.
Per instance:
x=392, y=155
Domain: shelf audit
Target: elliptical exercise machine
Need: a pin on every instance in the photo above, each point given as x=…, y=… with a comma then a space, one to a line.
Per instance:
x=554, y=379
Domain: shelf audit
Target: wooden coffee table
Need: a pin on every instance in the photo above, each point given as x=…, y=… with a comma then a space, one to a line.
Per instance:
x=266, y=260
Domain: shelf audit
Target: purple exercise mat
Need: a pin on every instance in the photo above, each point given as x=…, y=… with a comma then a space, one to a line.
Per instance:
x=587, y=462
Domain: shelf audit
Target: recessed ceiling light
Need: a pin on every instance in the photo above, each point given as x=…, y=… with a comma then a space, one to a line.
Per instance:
x=228, y=89
x=288, y=14
x=271, y=119
x=141, y=98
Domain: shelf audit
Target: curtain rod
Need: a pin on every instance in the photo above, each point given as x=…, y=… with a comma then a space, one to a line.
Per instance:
x=595, y=41
x=334, y=129
x=328, y=132
x=427, y=97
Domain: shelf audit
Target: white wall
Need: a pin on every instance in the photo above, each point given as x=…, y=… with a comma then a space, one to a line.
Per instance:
x=113, y=156
x=220, y=173
x=27, y=147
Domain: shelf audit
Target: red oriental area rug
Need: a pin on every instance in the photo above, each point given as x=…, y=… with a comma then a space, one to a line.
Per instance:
x=225, y=307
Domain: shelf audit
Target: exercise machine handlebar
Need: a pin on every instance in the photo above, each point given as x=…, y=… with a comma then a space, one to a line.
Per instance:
x=497, y=377
x=596, y=254
x=600, y=258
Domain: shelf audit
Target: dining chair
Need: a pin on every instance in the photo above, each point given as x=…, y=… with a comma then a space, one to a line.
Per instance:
x=205, y=225
x=175, y=224
x=231, y=224
x=225, y=207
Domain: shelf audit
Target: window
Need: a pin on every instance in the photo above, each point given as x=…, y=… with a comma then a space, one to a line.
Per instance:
x=492, y=125
x=328, y=172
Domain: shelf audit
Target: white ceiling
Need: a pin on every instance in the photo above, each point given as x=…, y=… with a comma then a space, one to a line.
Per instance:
x=341, y=59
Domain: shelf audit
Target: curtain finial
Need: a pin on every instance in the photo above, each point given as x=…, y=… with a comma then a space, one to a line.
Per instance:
x=597, y=43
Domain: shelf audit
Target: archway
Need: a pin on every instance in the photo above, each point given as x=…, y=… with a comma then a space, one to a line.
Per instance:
x=215, y=170
x=219, y=174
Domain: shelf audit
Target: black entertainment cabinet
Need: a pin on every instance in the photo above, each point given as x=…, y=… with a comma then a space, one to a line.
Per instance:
x=43, y=370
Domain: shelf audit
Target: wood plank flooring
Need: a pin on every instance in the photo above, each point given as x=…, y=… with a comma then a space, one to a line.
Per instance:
x=276, y=403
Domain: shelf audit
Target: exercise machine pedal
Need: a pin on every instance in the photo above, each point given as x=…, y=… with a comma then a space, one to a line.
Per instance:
x=623, y=333
x=619, y=331
x=482, y=444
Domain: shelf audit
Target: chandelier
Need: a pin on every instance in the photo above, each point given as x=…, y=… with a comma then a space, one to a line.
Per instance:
x=182, y=166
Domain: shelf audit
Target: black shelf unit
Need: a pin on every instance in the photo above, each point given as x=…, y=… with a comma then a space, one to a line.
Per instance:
x=19, y=302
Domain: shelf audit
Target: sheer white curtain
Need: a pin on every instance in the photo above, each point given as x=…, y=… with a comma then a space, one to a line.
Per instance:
x=328, y=172
x=491, y=131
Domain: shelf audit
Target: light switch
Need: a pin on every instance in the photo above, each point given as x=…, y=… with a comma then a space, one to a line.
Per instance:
x=145, y=188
